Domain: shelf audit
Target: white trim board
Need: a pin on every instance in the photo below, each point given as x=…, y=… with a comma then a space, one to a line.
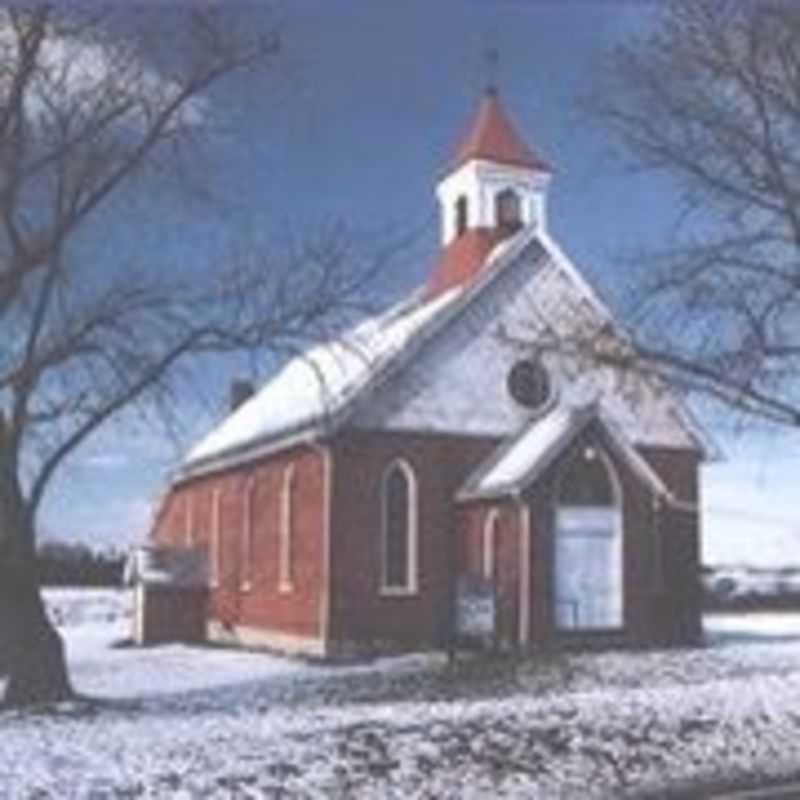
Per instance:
x=265, y=638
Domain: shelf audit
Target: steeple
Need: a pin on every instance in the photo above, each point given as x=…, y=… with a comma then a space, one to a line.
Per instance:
x=492, y=137
x=495, y=185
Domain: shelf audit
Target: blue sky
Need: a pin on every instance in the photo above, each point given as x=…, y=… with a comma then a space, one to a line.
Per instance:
x=354, y=125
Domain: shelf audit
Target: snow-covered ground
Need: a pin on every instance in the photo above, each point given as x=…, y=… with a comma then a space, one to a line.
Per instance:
x=753, y=626
x=192, y=722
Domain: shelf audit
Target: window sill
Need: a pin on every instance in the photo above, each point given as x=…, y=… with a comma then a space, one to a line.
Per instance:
x=399, y=591
x=246, y=587
x=285, y=588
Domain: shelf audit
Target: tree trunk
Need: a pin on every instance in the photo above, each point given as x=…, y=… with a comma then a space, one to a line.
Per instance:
x=31, y=650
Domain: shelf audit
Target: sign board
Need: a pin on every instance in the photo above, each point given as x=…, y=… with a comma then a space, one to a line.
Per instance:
x=475, y=606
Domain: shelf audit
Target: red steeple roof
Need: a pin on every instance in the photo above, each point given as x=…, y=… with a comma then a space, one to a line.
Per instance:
x=492, y=137
x=463, y=258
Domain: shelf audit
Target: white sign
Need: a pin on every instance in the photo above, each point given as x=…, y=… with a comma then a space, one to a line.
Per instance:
x=475, y=607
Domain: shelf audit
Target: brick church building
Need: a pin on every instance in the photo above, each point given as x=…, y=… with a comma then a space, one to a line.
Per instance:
x=344, y=506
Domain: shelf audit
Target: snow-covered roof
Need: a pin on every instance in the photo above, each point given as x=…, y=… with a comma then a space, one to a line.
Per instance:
x=312, y=393
x=315, y=386
x=517, y=463
x=318, y=391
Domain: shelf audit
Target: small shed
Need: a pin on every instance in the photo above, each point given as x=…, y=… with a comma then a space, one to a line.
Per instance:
x=170, y=594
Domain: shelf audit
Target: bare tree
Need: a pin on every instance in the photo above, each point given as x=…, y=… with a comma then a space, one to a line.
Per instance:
x=97, y=104
x=710, y=97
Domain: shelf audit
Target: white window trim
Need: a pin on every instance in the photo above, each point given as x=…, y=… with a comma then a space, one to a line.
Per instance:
x=215, y=544
x=412, y=586
x=488, y=564
x=246, y=555
x=189, y=518
x=285, y=577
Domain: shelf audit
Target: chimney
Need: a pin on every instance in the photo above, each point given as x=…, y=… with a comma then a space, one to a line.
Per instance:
x=241, y=391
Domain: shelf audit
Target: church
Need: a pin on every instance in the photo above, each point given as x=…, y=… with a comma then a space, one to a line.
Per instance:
x=353, y=503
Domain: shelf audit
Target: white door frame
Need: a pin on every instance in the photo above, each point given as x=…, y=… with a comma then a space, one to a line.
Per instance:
x=593, y=521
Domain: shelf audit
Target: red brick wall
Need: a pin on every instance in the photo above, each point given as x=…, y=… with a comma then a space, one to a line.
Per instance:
x=661, y=598
x=679, y=469
x=359, y=612
x=297, y=612
x=679, y=604
x=471, y=520
x=169, y=525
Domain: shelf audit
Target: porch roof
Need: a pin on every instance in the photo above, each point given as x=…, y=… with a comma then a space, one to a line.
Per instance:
x=521, y=460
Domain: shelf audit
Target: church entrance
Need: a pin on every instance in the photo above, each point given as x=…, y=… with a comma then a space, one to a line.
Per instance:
x=588, y=557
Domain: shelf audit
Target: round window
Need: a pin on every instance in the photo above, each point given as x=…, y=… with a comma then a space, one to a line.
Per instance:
x=529, y=384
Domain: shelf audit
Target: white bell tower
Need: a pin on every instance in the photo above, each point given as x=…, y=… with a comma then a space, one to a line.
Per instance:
x=496, y=181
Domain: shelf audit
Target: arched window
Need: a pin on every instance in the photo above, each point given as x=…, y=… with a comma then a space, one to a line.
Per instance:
x=285, y=571
x=587, y=481
x=189, y=517
x=399, y=502
x=216, y=537
x=462, y=219
x=508, y=209
x=246, y=572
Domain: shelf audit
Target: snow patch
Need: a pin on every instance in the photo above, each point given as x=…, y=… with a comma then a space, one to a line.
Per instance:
x=183, y=721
